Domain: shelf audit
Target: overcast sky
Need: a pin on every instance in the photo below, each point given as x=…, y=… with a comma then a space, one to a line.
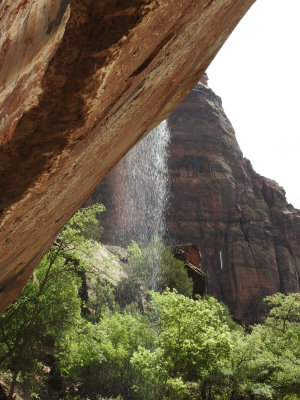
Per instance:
x=257, y=75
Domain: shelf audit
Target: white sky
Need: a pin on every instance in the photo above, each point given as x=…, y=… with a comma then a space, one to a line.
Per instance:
x=257, y=75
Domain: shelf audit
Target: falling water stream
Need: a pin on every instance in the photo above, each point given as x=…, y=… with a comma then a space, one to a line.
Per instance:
x=139, y=204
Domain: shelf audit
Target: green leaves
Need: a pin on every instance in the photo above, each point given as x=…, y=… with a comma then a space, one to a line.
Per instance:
x=195, y=343
x=266, y=361
x=157, y=268
x=84, y=225
x=175, y=348
x=49, y=305
x=192, y=341
x=99, y=354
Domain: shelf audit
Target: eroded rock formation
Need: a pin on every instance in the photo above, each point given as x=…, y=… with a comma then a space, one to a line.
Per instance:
x=190, y=255
x=81, y=82
x=247, y=233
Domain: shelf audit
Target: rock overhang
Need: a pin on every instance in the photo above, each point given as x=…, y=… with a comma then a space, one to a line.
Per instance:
x=82, y=82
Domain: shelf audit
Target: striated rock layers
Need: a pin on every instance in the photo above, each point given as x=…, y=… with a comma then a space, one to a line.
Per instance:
x=247, y=233
x=81, y=82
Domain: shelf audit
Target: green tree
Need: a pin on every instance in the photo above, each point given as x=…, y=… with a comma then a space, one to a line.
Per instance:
x=78, y=236
x=98, y=355
x=50, y=303
x=154, y=268
x=193, y=345
x=266, y=362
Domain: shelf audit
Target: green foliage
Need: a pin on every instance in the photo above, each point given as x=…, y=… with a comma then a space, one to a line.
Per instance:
x=102, y=301
x=174, y=348
x=266, y=362
x=260, y=211
x=49, y=305
x=199, y=354
x=193, y=344
x=156, y=268
x=78, y=236
x=98, y=355
x=174, y=274
x=83, y=226
x=106, y=398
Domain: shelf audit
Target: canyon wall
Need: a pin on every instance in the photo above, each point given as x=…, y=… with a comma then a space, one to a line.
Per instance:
x=81, y=82
x=247, y=234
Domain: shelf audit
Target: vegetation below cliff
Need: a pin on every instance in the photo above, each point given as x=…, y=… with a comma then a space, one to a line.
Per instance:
x=126, y=342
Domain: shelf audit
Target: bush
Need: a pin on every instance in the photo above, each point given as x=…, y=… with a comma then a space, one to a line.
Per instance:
x=193, y=345
x=49, y=305
x=98, y=355
x=156, y=268
x=266, y=361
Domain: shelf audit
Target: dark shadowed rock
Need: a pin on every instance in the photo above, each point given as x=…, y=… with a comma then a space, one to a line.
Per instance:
x=191, y=257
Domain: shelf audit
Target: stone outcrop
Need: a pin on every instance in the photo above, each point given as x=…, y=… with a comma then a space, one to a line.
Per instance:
x=81, y=82
x=246, y=232
x=191, y=257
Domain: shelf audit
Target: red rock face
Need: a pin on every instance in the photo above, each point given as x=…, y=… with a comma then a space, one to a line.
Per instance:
x=81, y=82
x=190, y=255
x=247, y=233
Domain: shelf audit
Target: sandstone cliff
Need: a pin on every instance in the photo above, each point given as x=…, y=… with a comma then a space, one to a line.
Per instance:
x=247, y=233
x=81, y=82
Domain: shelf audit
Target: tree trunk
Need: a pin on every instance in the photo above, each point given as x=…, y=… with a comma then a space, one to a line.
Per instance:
x=16, y=372
x=203, y=391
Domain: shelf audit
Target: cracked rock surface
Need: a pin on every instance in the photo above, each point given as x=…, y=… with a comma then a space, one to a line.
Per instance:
x=81, y=82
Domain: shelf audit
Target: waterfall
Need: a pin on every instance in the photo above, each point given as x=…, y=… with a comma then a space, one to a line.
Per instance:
x=221, y=260
x=142, y=181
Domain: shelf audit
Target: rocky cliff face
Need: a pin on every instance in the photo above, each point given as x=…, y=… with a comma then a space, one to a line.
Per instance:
x=81, y=82
x=247, y=233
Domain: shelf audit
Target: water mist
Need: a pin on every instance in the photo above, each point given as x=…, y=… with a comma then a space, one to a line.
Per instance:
x=142, y=181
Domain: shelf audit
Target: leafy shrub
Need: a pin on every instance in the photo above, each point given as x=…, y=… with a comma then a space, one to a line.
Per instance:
x=176, y=348
x=98, y=355
x=49, y=305
x=266, y=361
x=193, y=345
x=260, y=211
x=157, y=268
